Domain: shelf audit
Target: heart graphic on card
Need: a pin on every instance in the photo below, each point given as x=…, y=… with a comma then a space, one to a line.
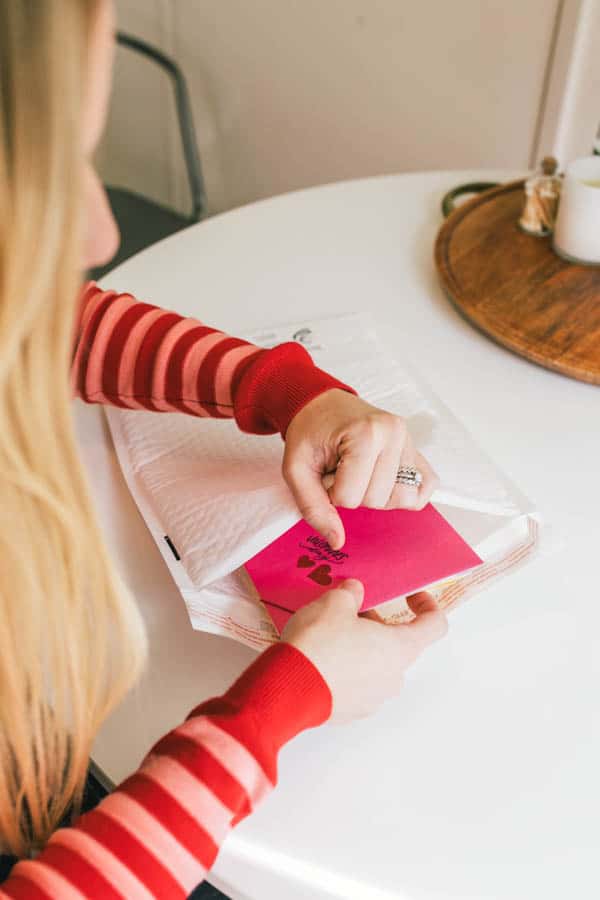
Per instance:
x=321, y=575
x=393, y=552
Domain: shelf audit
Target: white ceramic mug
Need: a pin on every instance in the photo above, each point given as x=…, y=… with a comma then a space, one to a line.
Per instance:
x=577, y=228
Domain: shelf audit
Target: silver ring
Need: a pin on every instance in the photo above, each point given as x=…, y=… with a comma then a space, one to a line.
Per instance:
x=410, y=476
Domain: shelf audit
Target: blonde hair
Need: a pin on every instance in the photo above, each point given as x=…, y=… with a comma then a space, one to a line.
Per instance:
x=71, y=638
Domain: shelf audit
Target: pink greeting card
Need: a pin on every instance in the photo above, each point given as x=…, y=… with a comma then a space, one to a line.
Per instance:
x=393, y=552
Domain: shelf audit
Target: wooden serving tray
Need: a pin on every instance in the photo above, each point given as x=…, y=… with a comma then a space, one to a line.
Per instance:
x=514, y=288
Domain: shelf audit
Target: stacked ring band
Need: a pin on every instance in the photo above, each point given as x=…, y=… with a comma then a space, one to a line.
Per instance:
x=410, y=476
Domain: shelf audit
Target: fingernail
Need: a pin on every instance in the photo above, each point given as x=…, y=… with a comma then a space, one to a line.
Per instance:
x=334, y=540
x=353, y=582
x=355, y=587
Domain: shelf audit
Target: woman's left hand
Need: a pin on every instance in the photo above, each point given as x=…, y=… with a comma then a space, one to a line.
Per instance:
x=339, y=433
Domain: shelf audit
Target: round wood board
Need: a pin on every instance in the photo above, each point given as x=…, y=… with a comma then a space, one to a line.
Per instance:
x=514, y=288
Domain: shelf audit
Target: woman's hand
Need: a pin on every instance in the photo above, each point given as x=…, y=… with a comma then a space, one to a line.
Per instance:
x=365, y=446
x=362, y=661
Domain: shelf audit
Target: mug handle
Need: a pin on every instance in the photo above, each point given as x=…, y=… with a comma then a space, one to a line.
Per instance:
x=475, y=187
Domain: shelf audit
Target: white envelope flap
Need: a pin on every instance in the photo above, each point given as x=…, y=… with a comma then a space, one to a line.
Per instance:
x=219, y=494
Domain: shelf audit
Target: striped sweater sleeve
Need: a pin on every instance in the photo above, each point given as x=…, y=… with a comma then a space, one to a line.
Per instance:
x=158, y=833
x=137, y=356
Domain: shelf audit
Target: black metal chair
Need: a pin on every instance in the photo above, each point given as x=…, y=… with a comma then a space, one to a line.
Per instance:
x=143, y=221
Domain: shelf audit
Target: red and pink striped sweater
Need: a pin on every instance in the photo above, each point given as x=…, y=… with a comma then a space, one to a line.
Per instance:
x=158, y=834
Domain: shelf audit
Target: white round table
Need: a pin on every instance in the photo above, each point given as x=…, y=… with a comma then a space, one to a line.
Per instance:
x=481, y=780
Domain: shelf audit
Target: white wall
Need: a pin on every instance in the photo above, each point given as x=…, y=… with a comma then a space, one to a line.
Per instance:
x=290, y=93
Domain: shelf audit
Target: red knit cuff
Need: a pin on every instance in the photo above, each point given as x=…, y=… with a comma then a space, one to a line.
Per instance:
x=276, y=386
x=284, y=692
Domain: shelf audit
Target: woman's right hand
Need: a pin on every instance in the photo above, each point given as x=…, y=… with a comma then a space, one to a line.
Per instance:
x=363, y=661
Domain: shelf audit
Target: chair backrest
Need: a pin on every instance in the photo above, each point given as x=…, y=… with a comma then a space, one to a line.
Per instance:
x=184, y=116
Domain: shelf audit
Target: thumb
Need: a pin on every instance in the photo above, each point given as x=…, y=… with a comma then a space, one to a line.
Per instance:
x=350, y=593
x=314, y=504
